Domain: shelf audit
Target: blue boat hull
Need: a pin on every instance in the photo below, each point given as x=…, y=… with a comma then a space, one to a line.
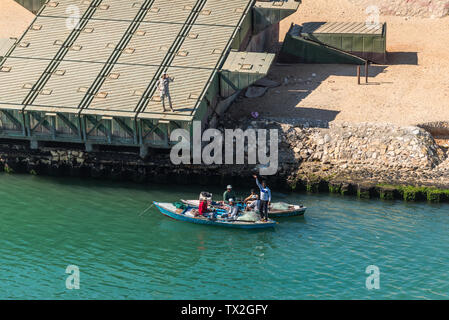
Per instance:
x=223, y=223
x=284, y=214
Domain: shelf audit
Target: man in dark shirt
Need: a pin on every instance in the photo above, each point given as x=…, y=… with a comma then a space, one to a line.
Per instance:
x=228, y=194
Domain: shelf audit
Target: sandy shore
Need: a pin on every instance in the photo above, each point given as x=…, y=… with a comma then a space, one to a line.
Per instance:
x=14, y=19
x=412, y=89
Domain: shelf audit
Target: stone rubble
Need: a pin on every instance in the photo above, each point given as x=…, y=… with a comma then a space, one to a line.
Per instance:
x=409, y=8
x=378, y=153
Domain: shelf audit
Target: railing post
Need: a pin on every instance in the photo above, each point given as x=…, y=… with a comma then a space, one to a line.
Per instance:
x=366, y=71
x=358, y=74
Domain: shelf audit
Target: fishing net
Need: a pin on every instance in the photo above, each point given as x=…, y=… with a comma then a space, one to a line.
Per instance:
x=280, y=206
x=249, y=216
x=180, y=205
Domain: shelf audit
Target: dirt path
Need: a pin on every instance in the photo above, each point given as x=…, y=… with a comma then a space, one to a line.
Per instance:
x=412, y=89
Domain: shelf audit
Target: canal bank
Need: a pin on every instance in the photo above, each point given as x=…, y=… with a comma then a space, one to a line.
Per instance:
x=367, y=160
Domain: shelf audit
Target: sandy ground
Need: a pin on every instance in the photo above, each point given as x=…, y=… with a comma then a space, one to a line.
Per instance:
x=14, y=19
x=413, y=88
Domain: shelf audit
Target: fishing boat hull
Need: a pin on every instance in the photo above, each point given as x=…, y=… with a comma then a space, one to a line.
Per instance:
x=287, y=213
x=296, y=211
x=171, y=211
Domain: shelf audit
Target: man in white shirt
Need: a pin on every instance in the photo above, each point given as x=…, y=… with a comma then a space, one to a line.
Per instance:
x=252, y=201
x=233, y=210
x=163, y=85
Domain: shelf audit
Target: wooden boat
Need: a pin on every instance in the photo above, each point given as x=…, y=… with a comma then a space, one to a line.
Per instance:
x=293, y=210
x=170, y=210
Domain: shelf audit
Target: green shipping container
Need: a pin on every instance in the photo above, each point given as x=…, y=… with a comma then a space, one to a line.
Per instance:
x=267, y=13
x=364, y=40
x=242, y=69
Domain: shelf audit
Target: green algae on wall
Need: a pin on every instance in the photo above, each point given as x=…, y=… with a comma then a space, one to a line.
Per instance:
x=415, y=193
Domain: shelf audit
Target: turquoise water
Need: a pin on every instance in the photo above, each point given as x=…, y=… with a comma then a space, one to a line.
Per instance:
x=47, y=224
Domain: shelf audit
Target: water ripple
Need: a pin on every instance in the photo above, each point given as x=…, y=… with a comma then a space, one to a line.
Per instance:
x=47, y=224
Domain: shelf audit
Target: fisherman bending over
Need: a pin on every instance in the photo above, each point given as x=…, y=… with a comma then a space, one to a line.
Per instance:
x=265, y=198
x=163, y=85
x=252, y=201
x=233, y=210
x=202, y=208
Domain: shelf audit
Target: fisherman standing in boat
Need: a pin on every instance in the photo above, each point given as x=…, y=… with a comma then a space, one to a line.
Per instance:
x=265, y=198
x=228, y=194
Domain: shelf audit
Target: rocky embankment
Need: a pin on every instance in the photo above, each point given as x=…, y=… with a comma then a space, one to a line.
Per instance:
x=368, y=152
x=371, y=160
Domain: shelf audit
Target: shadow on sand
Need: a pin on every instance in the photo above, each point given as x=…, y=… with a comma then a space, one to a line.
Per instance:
x=403, y=58
x=306, y=84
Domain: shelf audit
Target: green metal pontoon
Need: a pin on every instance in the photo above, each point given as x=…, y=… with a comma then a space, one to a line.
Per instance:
x=93, y=80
